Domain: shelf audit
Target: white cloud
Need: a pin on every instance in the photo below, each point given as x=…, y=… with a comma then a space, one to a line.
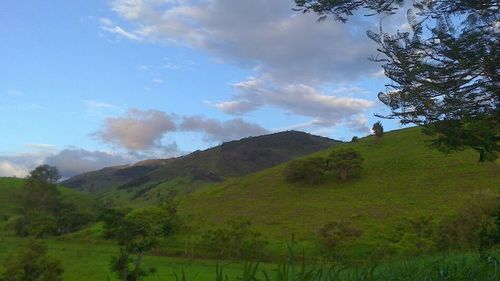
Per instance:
x=71, y=162
x=109, y=26
x=9, y=169
x=259, y=34
x=101, y=109
x=221, y=131
x=137, y=130
x=143, y=131
x=324, y=110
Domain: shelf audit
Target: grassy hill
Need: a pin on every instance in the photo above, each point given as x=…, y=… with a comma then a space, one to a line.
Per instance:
x=402, y=178
x=231, y=159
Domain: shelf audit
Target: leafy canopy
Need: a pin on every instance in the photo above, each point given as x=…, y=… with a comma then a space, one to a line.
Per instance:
x=45, y=173
x=444, y=73
x=32, y=264
x=345, y=162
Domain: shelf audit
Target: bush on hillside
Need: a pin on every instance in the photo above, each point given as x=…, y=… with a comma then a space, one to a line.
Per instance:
x=32, y=264
x=333, y=234
x=474, y=226
x=309, y=170
x=236, y=240
x=346, y=163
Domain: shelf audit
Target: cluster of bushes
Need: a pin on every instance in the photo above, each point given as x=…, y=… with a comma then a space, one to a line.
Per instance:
x=474, y=227
x=333, y=234
x=235, y=240
x=43, y=212
x=345, y=163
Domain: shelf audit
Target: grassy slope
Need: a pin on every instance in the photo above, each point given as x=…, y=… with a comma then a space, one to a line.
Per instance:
x=402, y=177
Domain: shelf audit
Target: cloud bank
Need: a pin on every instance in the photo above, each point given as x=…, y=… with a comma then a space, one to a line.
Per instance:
x=69, y=161
x=293, y=56
x=144, y=130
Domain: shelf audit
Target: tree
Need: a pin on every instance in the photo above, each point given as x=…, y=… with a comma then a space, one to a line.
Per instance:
x=378, y=129
x=43, y=212
x=310, y=170
x=445, y=78
x=136, y=233
x=44, y=173
x=32, y=264
x=355, y=139
x=345, y=162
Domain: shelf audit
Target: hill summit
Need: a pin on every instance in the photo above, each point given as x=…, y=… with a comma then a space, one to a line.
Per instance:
x=230, y=159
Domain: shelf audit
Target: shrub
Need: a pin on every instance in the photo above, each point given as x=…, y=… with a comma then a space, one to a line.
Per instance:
x=236, y=240
x=345, y=163
x=473, y=226
x=32, y=264
x=355, y=139
x=332, y=234
x=415, y=236
x=310, y=170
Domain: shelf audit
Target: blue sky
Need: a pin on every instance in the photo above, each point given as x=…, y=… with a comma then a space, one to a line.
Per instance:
x=86, y=84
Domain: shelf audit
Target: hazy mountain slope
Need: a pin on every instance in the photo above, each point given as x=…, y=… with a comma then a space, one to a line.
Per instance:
x=231, y=159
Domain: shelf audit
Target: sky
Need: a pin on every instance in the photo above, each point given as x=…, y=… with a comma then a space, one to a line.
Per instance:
x=86, y=84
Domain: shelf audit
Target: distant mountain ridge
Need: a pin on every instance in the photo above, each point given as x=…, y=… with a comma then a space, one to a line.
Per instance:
x=230, y=159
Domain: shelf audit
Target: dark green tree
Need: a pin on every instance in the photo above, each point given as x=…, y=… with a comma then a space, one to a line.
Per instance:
x=445, y=73
x=345, y=162
x=32, y=264
x=378, y=129
x=45, y=173
x=309, y=170
x=136, y=233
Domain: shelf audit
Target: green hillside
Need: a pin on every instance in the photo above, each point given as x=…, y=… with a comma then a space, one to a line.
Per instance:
x=402, y=178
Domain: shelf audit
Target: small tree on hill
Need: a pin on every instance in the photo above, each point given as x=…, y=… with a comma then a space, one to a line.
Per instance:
x=378, y=129
x=310, y=170
x=45, y=173
x=355, y=139
x=32, y=264
x=136, y=233
x=345, y=162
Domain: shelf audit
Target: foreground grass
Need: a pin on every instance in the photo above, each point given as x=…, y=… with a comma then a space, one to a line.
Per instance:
x=90, y=261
